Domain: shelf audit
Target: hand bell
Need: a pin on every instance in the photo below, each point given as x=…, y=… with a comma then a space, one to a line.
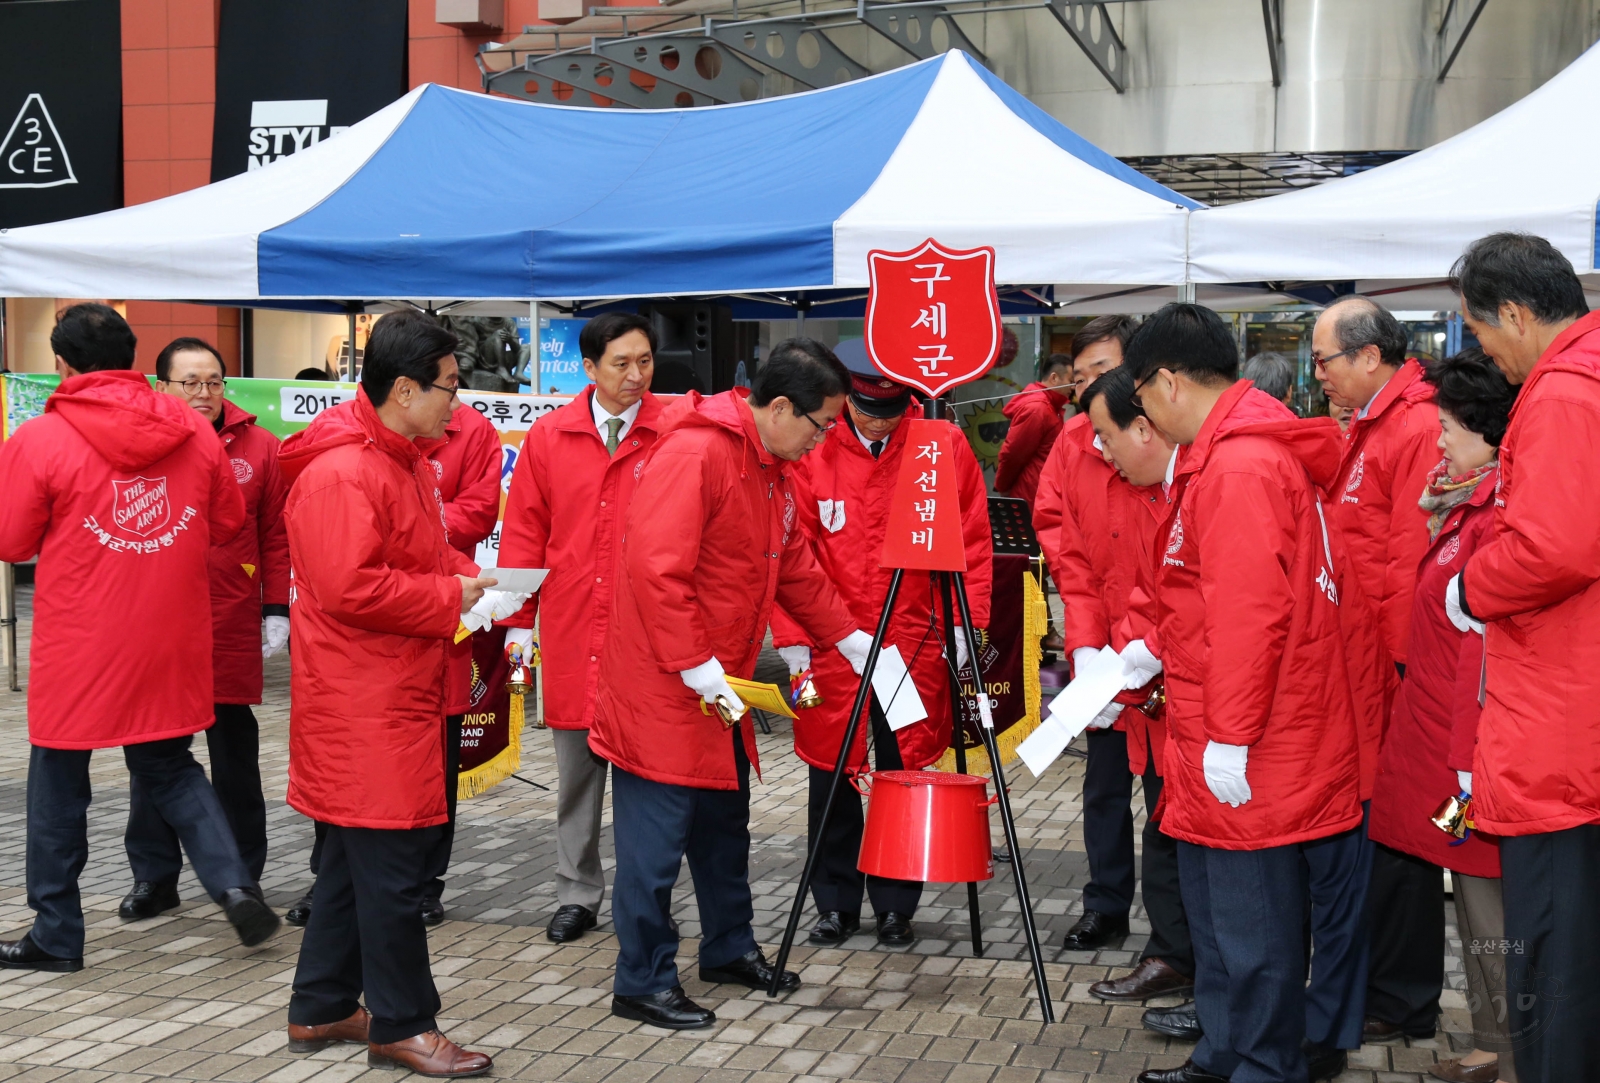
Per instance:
x=1453, y=816
x=730, y=714
x=803, y=690
x=519, y=682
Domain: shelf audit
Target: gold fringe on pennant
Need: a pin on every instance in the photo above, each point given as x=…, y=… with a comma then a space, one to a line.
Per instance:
x=1035, y=617
x=486, y=776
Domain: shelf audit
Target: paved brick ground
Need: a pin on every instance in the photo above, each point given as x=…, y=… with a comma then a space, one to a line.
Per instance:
x=177, y=997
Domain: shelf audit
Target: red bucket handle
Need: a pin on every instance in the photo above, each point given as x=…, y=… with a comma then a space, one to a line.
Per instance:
x=855, y=777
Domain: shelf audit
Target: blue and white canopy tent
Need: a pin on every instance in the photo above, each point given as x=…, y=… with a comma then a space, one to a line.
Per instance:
x=446, y=197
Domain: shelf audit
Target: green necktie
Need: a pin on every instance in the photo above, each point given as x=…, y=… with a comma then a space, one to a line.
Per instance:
x=613, y=434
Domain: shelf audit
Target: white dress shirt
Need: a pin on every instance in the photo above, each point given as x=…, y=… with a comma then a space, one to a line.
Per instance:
x=602, y=415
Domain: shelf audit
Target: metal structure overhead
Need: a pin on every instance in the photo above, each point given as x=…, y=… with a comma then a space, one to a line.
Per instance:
x=1220, y=179
x=1088, y=24
x=1454, y=27
x=796, y=47
x=1272, y=18
x=917, y=28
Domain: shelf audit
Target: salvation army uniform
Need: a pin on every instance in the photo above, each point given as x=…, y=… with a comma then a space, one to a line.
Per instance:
x=121, y=494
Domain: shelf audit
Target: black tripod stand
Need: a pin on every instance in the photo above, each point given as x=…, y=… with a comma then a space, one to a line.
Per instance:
x=952, y=585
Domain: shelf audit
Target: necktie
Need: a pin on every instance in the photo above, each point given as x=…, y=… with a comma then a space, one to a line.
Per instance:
x=877, y=448
x=613, y=434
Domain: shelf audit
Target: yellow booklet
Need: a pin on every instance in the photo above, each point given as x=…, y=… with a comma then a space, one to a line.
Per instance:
x=763, y=697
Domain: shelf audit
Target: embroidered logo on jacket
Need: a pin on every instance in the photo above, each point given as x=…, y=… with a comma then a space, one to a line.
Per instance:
x=1451, y=548
x=788, y=515
x=1357, y=473
x=140, y=507
x=1175, y=541
x=242, y=471
x=832, y=513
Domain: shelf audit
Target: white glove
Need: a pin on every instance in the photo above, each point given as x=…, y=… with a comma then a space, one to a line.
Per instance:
x=961, y=649
x=709, y=680
x=494, y=605
x=1464, y=779
x=1106, y=718
x=798, y=658
x=522, y=637
x=1224, y=767
x=854, y=647
x=1081, y=657
x=1452, y=608
x=1140, y=666
x=276, y=631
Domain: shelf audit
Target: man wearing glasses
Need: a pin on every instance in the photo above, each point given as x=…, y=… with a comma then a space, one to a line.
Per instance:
x=249, y=577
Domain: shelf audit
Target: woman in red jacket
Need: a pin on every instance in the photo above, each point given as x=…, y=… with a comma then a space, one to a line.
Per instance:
x=1427, y=752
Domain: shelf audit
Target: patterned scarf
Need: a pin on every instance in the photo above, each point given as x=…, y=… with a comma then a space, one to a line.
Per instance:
x=1444, y=492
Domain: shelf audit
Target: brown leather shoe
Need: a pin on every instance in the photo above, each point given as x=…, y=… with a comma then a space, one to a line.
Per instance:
x=429, y=1053
x=310, y=1039
x=1152, y=978
x=1454, y=1071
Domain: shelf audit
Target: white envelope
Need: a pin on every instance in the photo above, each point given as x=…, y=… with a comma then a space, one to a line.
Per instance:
x=1096, y=685
x=517, y=580
x=897, y=695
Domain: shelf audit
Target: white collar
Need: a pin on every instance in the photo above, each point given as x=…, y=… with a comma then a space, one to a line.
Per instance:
x=602, y=415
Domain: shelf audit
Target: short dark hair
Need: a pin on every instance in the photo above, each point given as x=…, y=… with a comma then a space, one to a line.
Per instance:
x=1053, y=362
x=1517, y=268
x=177, y=346
x=1363, y=322
x=313, y=374
x=601, y=331
x=404, y=343
x=92, y=337
x=1472, y=389
x=802, y=370
x=1186, y=338
x=1115, y=388
x=1270, y=372
x=1101, y=328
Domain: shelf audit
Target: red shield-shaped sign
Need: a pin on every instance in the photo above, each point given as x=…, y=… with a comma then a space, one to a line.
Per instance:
x=140, y=505
x=933, y=318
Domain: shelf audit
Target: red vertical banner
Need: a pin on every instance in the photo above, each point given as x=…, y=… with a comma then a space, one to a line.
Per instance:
x=924, y=532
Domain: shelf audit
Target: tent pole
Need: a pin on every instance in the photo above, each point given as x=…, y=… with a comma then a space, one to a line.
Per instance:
x=535, y=356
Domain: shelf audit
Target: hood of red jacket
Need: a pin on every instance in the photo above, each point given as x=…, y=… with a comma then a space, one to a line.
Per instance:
x=234, y=415
x=122, y=418
x=1243, y=411
x=727, y=410
x=1018, y=401
x=353, y=422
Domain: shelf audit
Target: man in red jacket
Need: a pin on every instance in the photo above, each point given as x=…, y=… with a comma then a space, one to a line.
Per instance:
x=1536, y=583
x=712, y=541
x=570, y=493
x=1035, y=416
x=1261, y=753
x=249, y=603
x=843, y=491
x=378, y=595
x=120, y=493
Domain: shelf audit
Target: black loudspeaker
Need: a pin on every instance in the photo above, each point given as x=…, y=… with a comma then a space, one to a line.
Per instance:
x=695, y=347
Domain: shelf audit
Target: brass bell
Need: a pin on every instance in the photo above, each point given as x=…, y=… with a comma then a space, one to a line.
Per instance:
x=730, y=714
x=803, y=690
x=1453, y=817
x=519, y=681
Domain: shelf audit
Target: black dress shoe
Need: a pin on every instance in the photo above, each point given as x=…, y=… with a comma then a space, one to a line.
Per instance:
x=300, y=912
x=249, y=914
x=147, y=899
x=24, y=954
x=1380, y=1030
x=1153, y=977
x=1187, y=1072
x=834, y=927
x=1094, y=930
x=432, y=911
x=1182, y=1022
x=569, y=923
x=895, y=929
x=669, y=1008
x=1323, y=1063
x=750, y=969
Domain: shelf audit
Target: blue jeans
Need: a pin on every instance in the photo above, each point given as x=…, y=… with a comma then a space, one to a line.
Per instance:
x=58, y=830
x=655, y=825
x=1246, y=913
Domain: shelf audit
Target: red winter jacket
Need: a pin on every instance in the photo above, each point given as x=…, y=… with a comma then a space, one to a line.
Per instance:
x=1035, y=415
x=860, y=489
x=1435, y=725
x=712, y=539
x=1106, y=531
x=1385, y=465
x=466, y=462
x=121, y=494
x=1249, y=631
x=565, y=512
x=1535, y=582
x=374, y=605
x=252, y=569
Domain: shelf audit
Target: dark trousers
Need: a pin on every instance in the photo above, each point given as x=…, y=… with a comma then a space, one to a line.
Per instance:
x=1108, y=824
x=657, y=824
x=1163, y=900
x=366, y=934
x=1405, y=911
x=233, y=742
x=439, y=856
x=837, y=884
x=1338, y=870
x=58, y=830
x=1246, y=910
x=1551, y=887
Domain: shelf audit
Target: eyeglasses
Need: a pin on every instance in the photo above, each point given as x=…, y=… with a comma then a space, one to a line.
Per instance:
x=1315, y=360
x=819, y=427
x=192, y=388
x=1139, y=386
x=451, y=391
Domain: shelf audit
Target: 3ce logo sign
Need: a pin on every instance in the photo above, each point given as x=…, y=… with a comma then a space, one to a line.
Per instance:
x=33, y=155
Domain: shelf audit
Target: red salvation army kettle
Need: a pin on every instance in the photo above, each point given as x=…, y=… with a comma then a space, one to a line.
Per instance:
x=926, y=826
